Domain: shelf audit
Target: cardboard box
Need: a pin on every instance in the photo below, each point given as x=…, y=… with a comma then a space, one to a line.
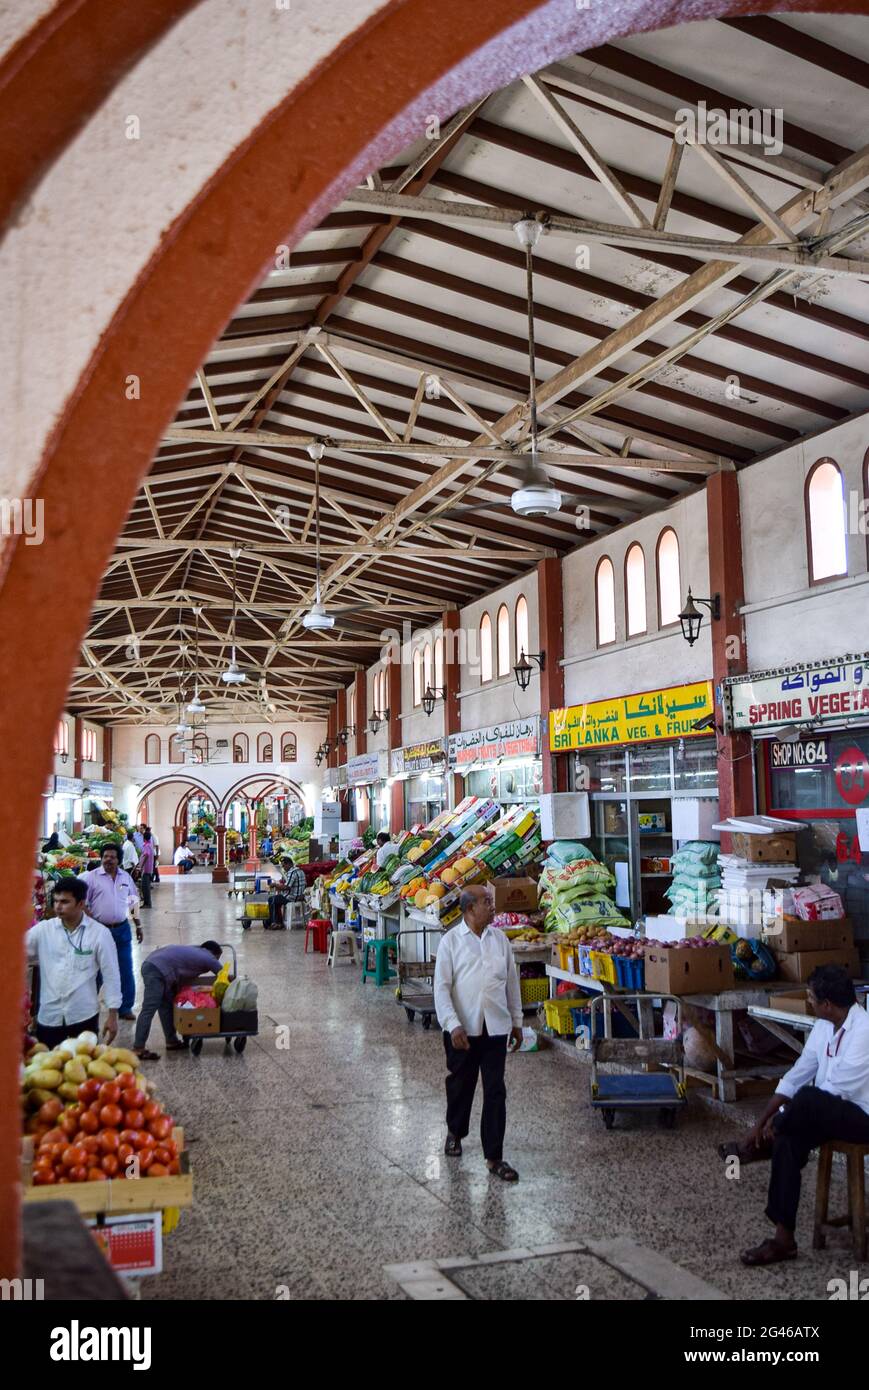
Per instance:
x=197, y=1022
x=688, y=970
x=792, y=1001
x=798, y=965
x=796, y=935
x=766, y=849
x=515, y=894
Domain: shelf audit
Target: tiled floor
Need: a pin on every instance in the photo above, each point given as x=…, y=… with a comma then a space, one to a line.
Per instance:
x=319, y=1163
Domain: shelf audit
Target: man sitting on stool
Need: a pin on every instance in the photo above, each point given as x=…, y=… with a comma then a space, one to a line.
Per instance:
x=824, y=1096
x=292, y=890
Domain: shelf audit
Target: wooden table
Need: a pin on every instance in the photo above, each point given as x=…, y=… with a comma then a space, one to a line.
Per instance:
x=726, y=1077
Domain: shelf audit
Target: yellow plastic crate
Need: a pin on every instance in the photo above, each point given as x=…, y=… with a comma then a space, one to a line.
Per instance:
x=603, y=967
x=256, y=910
x=534, y=991
x=568, y=958
x=558, y=1015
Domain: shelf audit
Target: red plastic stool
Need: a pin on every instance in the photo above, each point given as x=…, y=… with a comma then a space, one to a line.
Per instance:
x=319, y=928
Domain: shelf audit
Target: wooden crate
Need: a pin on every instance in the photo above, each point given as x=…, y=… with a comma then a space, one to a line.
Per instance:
x=115, y=1195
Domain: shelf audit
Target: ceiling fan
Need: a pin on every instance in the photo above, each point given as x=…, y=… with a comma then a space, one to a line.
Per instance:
x=233, y=675
x=318, y=618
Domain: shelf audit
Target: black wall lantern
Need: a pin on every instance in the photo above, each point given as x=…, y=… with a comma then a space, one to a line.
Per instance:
x=378, y=717
x=345, y=733
x=691, y=618
x=430, y=697
x=523, y=669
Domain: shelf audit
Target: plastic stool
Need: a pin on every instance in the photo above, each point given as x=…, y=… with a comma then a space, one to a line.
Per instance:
x=381, y=971
x=342, y=946
x=294, y=915
x=855, y=1155
x=318, y=928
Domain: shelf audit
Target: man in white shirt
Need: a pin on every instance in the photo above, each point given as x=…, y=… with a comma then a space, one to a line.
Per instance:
x=479, y=1007
x=824, y=1096
x=70, y=950
x=385, y=847
x=183, y=858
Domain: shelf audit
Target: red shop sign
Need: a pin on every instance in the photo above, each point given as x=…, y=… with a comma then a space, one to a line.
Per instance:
x=852, y=775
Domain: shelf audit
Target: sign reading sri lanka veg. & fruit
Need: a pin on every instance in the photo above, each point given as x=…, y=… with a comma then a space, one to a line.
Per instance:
x=645, y=718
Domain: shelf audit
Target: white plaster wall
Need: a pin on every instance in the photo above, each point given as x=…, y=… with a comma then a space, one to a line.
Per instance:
x=660, y=657
x=416, y=725
x=379, y=741
x=796, y=622
x=500, y=698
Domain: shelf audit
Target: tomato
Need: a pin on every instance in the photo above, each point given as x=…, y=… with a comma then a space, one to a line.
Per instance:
x=90, y=1143
x=95, y=1106
x=158, y=1170
x=89, y=1122
x=42, y=1162
x=68, y=1124
x=110, y=1093
x=161, y=1128
x=109, y=1141
x=171, y=1148
x=151, y=1109
x=125, y=1153
x=133, y=1099
x=49, y=1112
x=128, y=1136
x=135, y=1119
x=174, y=1165
x=79, y=1173
x=64, y=1179
x=143, y=1141
x=96, y=1175
x=126, y=1079
x=161, y=1155
x=44, y=1177
x=89, y=1090
x=56, y=1150
x=111, y=1116
x=146, y=1160
x=110, y=1164
x=54, y=1136
x=76, y=1109
x=74, y=1156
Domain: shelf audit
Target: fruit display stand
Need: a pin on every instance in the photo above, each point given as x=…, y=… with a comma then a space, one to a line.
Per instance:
x=114, y=1196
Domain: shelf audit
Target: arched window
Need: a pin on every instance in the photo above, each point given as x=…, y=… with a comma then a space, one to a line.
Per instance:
x=417, y=677
x=669, y=578
x=426, y=666
x=605, y=599
x=503, y=641
x=176, y=749
x=89, y=745
x=826, y=537
x=485, y=648
x=522, y=642
x=439, y=663
x=61, y=737
x=240, y=748
x=264, y=749
x=635, y=591
x=152, y=748
x=288, y=747
x=200, y=748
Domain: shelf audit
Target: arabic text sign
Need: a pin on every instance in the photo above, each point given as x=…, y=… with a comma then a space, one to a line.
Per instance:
x=364, y=768
x=421, y=756
x=819, y=694
x=518, y=738
x=644, y=718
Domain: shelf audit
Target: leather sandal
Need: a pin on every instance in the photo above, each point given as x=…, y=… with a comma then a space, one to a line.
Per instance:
x=769, y=1252
x=503, y=1171
x=453, y=1147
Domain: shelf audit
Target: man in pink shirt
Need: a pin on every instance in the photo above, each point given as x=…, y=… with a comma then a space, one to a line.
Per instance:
x=110, y=893
x=146, y=866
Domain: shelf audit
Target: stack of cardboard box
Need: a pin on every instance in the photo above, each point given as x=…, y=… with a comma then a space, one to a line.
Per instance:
x=800, y=946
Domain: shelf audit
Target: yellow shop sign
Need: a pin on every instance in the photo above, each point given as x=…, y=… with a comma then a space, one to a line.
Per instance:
x=643, y=718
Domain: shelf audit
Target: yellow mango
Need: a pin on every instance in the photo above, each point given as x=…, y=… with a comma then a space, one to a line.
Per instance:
x=75, y=1071
x=102, y=1070
x=68, y=1090
x=47, y=1080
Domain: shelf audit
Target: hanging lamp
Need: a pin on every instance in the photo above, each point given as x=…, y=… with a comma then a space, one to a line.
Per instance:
x=232, y=675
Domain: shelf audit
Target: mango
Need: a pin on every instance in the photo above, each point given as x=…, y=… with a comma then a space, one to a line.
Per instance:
x=68, y=1090
x=46, y=1080
x=101, y=1069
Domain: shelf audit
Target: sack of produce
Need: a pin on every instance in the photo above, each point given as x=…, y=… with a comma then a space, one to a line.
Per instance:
x=584, y=910
x=697, y=851
x=241, y=996
x=563, y=852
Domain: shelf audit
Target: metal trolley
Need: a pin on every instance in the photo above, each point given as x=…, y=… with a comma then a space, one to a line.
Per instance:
x=237, y=1037
x=415, y=989
x=664, y=1091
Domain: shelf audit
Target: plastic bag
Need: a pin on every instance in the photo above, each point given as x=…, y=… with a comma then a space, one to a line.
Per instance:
x=563, y=852
x=221, y=984
x=191, y=998
x=240, y=996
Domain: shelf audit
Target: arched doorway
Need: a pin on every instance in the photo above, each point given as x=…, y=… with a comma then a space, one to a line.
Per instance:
x=337, y=122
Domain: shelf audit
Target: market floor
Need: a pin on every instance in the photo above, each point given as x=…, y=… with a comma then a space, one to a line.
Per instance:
x=317, y=1158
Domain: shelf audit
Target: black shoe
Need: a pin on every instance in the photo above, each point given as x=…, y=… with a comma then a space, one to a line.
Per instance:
x=453, y=1147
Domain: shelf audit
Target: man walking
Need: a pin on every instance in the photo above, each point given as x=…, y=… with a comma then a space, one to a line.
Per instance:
x=166, y=971
x=110, y=895
x=479, y=1007
x=71, y=950
x=146, y=866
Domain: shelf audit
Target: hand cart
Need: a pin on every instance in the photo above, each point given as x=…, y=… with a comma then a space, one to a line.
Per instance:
x=241, y=884
x=663, y=1091
x=248, y=1019
x=254, y=908
x=415, y=990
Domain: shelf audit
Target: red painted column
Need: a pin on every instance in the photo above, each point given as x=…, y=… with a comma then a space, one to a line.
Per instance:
x=393, y=695
x=729, y=654
x=77, y=730
x=331, y=734
x=550, y=613
x=360, y=711
x=220, y=873
x=341, y=723
x=107, y=754
x=252, y=851
x=450, y=623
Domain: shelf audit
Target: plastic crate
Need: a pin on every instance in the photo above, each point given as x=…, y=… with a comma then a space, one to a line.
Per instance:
x=568, y=957
x=585, y=962
x=603, y=967
x=630, y=974
x=534, y=991
x=558, y=1015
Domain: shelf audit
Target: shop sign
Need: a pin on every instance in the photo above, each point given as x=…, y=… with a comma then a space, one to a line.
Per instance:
x=68, y=786
x=396, y=762
x=103, y=791
x=811, y=752
x=820, y=693
x=366, y=768
x=645, y=718
x=419, y=757
x=518, y=738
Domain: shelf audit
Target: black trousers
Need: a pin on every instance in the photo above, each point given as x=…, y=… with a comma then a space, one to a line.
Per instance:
x=486, y=1058
x=812, y=1118
x=146, y=889
x=52, y=1036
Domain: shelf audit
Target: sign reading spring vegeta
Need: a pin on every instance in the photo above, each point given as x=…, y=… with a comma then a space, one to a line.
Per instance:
x=816, y=694
x=517, y=738
x=654, y=714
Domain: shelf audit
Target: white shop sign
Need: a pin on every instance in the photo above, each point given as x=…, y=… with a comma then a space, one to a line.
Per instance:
x=517, y=738
x=68, y=786
x=103, y=790
x=366, y=768
x=825, y=692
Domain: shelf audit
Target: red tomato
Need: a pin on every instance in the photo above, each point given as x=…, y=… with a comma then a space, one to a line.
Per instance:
x=171, y=1147
x=110, y=1164
x=143, y=1141
x=133, y=1099
x=161, y=1155
x=174, y=1165
x=89, y=1090
x=44, y=1177
x=57, y=1150
x=89, y=1122
x=68, y=1124
x=54, y=1136
x=76, y=1109
x=125, y=1152
x=110, y=1093
x=90, y=1143
x=42, y=1163
x=109, y=1141
x=111, y=1116
x=62, y=1179
x=151, y=1109
x=128, y=1136
x=146, y=1160
x=135, y=1119
x=49, y=1112
x=95, y=1106
x=126, y=1079
x=96, y=1175
x=161, y=1128
x=79, y=1173
x=74, y=1156
x=158, y=1170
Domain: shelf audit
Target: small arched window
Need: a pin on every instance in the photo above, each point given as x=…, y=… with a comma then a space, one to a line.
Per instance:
x=152, y=748
x=635, y=591
x=522, y=641
x=176, y=749
x=240, y=748
x=288, y=747
x=826, y=534
x=439, y=663
x=200, y=748
x=264, y=749
x=417, y=677
x=503, y=641
x=61, y=737
x=669, y=578
x=485, y=648
x=605, y=600
x=426, y=666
